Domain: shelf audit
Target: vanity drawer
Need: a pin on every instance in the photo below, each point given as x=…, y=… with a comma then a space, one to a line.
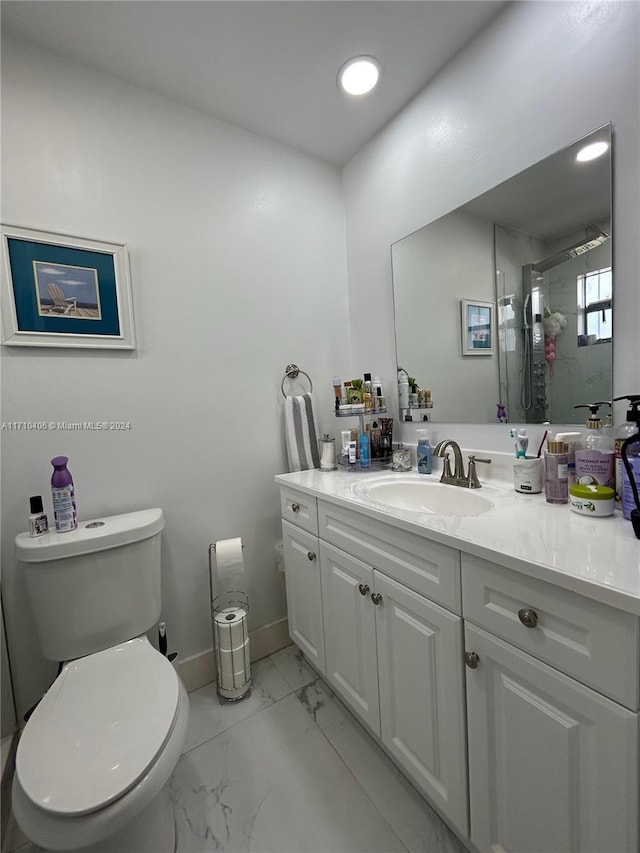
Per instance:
x=427, y=567
x=299, y=508
x=596, y=644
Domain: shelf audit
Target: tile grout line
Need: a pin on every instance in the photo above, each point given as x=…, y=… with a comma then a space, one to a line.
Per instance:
x=244, y=719
x=350, y=771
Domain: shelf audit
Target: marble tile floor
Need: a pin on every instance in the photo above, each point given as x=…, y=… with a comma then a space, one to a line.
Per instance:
x=289, y=770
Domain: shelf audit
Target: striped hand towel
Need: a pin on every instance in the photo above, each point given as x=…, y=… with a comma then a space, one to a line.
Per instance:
x=301, y=433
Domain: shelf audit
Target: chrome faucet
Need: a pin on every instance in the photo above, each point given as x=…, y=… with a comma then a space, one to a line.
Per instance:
x=458, y=478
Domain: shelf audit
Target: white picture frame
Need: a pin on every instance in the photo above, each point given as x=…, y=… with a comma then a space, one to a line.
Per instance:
x=478, y=328
x=58, y=290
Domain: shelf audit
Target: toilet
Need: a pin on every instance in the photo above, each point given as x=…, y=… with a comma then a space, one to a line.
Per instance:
x=94, y=757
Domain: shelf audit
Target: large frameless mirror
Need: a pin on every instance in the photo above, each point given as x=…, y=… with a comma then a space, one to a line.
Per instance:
x=520, y=278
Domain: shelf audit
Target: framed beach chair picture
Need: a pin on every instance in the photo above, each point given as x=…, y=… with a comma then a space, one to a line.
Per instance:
x=62, y=291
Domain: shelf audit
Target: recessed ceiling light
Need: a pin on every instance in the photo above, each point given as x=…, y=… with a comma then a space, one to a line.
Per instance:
x=359, y=75
x=590, y=152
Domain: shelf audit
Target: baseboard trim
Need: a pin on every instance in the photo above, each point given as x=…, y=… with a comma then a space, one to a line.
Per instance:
x=200, y=669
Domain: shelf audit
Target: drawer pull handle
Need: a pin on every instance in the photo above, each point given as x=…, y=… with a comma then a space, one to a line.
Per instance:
x=528, y=617
x=295, y=507
x=376, y=597
x=311, y=555
x=471, y=659
x=364, y=588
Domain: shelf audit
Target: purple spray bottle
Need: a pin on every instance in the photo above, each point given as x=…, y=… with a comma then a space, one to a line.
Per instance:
x=63, y=494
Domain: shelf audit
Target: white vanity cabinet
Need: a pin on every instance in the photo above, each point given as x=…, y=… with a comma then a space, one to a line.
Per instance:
x=304, y=593
x=422, y=708
x=302, y=568
x=391, y=653
x=553, y=764
x=395, y=658
x=534, y=745
x=350, y=632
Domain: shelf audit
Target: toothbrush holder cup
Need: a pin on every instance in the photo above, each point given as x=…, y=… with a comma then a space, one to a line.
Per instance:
x=528, y=474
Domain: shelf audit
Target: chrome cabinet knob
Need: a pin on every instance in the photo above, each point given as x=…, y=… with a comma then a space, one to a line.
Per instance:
x=471, y=659
x=528, y=617
x=364, y=588
x=295, y=507
x=376, y=597
x=311, y=555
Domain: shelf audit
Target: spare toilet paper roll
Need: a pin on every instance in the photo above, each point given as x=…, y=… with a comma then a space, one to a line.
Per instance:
x=235, y=660
x=233, y=680
x=229, y=560
x=231, y=627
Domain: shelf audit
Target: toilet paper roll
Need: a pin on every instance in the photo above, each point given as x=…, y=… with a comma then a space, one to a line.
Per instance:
x=229, y=559
x=231, y=627
x=234, y=660
x=231, y=680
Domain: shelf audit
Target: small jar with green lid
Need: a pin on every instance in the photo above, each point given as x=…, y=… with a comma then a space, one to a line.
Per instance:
x=592, y=500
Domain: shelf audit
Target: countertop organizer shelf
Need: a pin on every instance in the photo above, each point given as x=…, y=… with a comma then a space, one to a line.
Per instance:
x=376, y=463
x=360, y=414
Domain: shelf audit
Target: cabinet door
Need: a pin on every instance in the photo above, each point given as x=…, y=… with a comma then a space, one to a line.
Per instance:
x=552, y=764
x=422, y=709
x=304, y=592
x=350, y=632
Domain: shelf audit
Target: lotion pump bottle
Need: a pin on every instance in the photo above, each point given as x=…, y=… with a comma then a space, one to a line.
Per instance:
x=595, y=462
x=63, y=494
x=630, y=427
x=630, y=442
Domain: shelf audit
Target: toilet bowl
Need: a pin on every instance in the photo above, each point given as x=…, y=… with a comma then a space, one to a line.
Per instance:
x=99, y=749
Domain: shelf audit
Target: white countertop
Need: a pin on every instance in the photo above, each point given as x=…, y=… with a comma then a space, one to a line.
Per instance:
x=596, y=557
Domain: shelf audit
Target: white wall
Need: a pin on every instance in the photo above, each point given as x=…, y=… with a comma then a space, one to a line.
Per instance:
x=541, y=76
x=238, y=265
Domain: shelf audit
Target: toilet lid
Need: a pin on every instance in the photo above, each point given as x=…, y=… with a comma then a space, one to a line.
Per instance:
x=98, y=728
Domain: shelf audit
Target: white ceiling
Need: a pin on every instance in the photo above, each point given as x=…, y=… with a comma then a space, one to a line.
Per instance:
x=269, y=67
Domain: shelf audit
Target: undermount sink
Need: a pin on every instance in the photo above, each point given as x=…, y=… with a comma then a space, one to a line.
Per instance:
x=428, y=497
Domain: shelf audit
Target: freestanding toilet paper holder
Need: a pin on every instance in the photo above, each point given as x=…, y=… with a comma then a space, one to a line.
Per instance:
x=230, y=628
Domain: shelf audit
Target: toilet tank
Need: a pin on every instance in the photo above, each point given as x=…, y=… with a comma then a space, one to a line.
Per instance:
x=96, y=586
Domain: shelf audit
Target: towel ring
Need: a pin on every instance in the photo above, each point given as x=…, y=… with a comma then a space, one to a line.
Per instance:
x=291, y=371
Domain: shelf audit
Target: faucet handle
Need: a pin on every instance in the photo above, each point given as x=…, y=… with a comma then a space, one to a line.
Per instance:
x=472, y=476
x=446, y=467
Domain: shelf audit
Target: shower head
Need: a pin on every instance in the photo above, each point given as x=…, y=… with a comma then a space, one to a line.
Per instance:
x=594, y=237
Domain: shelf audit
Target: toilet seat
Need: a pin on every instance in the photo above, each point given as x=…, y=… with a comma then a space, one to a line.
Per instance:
x=98, y=729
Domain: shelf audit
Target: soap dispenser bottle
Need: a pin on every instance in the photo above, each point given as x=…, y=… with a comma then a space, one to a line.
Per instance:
x=630, y=427
x=424, y=452
x=628, y=437
x=595, y=461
